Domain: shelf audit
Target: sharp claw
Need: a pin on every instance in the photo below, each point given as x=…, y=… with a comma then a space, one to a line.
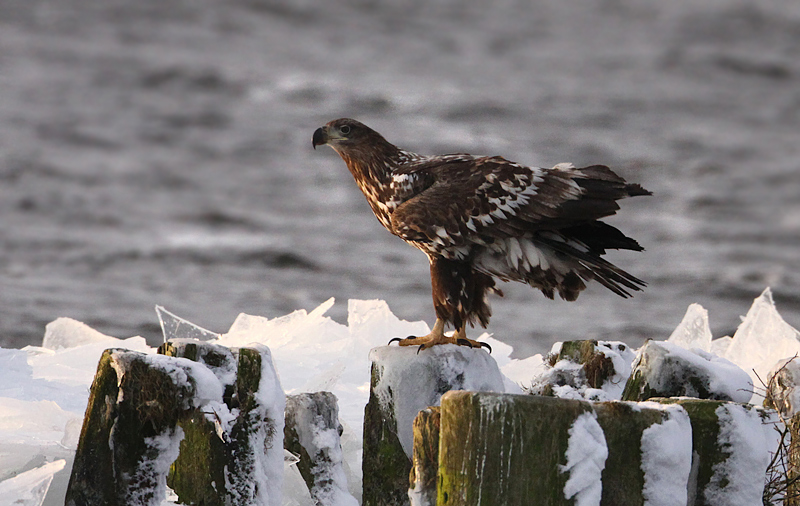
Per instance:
x=421, y=347
x=464, y=342
x=398, y=339
x=486, y=345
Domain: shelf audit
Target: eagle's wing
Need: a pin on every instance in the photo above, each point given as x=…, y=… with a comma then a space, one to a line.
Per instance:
x=492, y=198
x=519, y=217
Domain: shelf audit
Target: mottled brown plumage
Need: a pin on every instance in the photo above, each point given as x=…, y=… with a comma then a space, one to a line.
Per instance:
x=481, y=218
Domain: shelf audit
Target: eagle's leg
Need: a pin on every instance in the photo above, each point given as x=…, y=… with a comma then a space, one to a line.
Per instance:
x=459, y=296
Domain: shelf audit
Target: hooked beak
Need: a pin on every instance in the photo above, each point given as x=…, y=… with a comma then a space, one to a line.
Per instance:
x=320, y=137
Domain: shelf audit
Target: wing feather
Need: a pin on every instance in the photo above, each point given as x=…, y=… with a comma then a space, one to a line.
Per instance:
x=482, y=199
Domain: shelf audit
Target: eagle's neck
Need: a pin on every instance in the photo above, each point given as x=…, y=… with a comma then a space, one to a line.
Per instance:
x=372, y=167
x=374, y=171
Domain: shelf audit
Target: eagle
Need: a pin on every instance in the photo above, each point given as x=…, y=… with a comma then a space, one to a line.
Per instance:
x=484, y=218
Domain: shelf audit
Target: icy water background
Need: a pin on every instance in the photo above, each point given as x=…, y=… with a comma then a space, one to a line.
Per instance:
x=160, y=153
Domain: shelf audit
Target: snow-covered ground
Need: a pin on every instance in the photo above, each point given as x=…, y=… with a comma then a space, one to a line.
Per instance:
x=44, y=389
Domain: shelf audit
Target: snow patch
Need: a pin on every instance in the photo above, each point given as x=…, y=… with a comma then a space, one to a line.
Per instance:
x=667, y=457
x=586, y=458
x=739, y=479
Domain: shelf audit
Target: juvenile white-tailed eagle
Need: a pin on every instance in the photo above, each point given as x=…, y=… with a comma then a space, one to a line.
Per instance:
x=478, y=218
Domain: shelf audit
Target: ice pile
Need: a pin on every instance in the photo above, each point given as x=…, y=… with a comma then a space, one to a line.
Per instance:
x=44, y=390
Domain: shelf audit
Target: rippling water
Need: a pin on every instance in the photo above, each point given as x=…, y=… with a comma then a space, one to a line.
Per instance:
x=159, y=152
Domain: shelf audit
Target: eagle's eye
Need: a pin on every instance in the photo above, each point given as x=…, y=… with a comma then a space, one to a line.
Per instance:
x=345, y=129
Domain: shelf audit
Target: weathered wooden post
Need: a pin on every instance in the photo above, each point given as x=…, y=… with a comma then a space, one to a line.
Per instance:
x=505, y=449
x=629, y=465
x=664, y=369
x=312, y=432
x=602, y=366
x=129, y=435
x=731, y=445
x=782, y=395
x=425, y=464
x=198, y=474
x=518, y=450
x=218, y=417
x=403, y=383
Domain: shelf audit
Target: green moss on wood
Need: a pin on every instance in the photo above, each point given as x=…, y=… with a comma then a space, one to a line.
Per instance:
x=198, y=474
x=94, y=455
x=385, y=465
x=623, y=425
x=426, y=453
x=504, y=449
x=577, y=351
x=113, y=442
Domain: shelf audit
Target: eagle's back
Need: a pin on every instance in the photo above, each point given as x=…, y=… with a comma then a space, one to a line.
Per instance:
x=534, y=225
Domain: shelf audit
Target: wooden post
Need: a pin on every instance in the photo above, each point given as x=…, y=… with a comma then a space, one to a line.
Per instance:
x=596, y=371
x=515, y=450
x=422, y=489
x=782, y=387
x=403, y=383
x=504, y=449
x=128, y=428
x=385, y=464
x=148, y=416
x=714, y=427
x=198, y=474
x=623, y=424
x=664, y=369
x=312, y=432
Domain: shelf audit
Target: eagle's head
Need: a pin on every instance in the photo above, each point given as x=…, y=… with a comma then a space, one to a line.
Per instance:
x=348, y=137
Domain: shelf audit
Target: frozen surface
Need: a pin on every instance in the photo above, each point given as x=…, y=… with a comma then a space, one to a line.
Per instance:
x=68, y=333
x=694, y=330
x=43, y=390
x=667, y=457
x=520, y=373
x=29, y=488
x=411, y=381
x=586, y=458
x=762, y=339
x=739, y=480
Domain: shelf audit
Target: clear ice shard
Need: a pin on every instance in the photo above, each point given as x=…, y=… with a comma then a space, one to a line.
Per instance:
x=762, y=339
x=693, y=331
x=175, y=327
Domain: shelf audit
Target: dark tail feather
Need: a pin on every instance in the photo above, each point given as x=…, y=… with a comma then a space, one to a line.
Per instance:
x=599, y=237
x=599, y=269
x=599, y=179
x=634, y=190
